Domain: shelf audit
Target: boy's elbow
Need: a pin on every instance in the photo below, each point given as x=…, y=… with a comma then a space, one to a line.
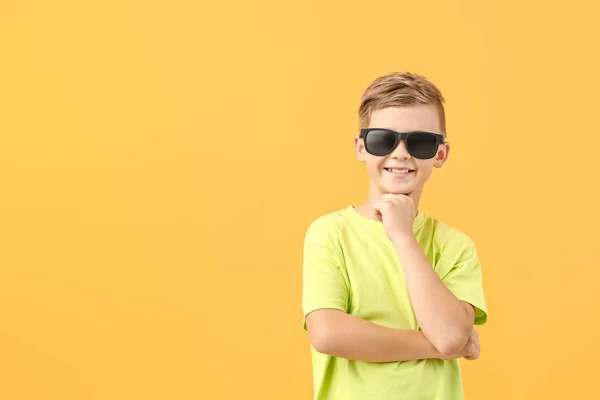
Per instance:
x=450, y=344
x=320, y=332
x=320, y=338
x=448, y=348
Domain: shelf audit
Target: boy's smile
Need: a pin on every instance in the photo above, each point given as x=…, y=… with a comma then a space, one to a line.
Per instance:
x=398, y=171
x=394, y=178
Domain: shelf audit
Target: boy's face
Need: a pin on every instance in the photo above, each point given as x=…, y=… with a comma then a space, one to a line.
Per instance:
x=386, y=172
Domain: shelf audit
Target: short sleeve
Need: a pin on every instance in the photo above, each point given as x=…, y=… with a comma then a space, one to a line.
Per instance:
x=323, y=281
x=465, y=281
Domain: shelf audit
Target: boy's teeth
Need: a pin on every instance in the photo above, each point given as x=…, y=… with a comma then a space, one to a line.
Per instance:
x=399, y=171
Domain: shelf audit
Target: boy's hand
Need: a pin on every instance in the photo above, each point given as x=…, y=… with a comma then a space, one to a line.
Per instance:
x=397, y=212
x=470, y=351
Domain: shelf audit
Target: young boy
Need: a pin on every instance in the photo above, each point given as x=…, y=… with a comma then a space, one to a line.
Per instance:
x=390, y=296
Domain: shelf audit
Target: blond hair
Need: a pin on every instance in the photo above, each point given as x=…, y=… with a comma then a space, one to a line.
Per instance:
x=400, y=89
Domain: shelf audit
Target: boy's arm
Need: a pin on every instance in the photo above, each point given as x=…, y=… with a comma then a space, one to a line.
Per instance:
x=339, y=334
x=445, y=320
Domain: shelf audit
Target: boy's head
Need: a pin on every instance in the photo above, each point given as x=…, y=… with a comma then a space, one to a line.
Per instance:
x=394, y=104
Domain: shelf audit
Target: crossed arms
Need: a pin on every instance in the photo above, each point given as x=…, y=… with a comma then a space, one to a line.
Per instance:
x=446, y=323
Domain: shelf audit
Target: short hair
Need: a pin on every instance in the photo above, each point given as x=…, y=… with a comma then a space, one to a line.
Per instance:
x=399, y=89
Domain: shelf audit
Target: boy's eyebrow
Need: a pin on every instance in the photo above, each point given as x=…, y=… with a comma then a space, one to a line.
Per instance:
x=407, y=130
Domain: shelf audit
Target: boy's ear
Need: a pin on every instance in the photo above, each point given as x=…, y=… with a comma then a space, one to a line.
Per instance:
x=359, y=148
x=442, y=155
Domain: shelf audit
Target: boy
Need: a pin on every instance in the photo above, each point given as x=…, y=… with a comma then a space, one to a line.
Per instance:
x=390, y=296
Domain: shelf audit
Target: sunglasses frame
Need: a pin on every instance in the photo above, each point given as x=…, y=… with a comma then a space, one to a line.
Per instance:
x=399, y=136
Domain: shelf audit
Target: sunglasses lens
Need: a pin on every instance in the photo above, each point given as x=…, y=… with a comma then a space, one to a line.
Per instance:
x=380, y=143
x=422, y=145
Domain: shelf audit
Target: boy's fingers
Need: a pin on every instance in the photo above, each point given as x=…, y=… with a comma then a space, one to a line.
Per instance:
x=476, y=353
x=381, y=203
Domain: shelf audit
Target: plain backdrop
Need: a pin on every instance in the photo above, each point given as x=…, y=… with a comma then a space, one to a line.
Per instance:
x=161, y=161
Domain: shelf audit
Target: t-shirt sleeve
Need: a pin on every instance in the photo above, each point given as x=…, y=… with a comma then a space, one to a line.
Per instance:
x=465, y=281
x=323, y=281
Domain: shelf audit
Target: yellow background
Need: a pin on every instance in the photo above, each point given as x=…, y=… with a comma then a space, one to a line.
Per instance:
x=160, y=162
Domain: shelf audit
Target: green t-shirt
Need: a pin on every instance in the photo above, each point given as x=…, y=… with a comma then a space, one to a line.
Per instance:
x=351, y=265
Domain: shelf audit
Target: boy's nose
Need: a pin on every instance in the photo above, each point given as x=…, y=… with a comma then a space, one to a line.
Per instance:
x=400, y=152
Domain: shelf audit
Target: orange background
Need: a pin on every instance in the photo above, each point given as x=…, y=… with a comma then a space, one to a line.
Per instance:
x=160, y=162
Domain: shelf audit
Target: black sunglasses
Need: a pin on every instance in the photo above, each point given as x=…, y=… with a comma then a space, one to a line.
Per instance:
x=381, y=142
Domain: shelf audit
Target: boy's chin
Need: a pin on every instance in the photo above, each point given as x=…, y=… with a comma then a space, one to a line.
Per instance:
x=397, y=190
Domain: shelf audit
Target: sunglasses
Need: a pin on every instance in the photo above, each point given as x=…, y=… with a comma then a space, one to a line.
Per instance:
x=381, y=142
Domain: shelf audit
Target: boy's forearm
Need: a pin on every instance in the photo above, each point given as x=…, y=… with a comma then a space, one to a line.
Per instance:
x=348, y=336
x=445, y=320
